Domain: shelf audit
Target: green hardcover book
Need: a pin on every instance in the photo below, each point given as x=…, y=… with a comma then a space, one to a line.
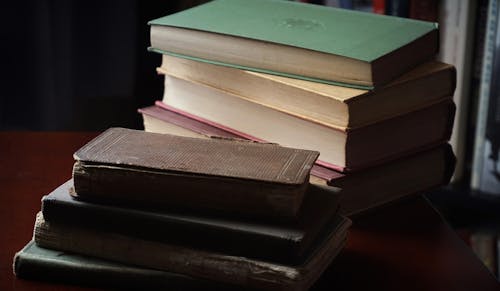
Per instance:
x=36, y=263
x=197, y=263
x=298, y=40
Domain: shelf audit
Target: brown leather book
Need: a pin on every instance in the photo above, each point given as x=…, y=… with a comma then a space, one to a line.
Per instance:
x=125, y=166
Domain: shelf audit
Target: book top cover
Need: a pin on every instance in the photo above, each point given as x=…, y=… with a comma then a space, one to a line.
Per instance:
x=353, y=34
x=120, y=147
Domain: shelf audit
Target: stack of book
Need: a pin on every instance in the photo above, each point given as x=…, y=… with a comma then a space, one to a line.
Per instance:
x=147, y=210
x=360, y=88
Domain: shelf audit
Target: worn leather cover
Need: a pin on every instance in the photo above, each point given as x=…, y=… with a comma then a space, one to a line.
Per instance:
x=277, y=242
x=215, y=157
x=131, y=166
x=215, y=266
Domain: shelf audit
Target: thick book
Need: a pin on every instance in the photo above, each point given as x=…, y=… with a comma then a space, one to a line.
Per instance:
x=411, y=175
x=331, y=105
x=405, y=176
x=197, y=263
x=343, y=150
x=279, y=242
x=234, y=176
x=36, y=263
x=298, y=40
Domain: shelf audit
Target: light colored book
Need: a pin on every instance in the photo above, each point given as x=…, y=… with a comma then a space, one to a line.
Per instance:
x=342, y=150
x=331, y=105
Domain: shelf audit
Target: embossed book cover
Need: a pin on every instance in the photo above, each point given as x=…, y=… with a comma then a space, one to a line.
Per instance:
x=125, y=166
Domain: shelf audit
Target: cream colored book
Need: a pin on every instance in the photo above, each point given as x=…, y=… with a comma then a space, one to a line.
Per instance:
x=335, y=106
x=342, y=150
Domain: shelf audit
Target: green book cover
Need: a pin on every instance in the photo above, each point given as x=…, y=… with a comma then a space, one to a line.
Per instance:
x=349, y=33
x=36, y=263
x=344, y=47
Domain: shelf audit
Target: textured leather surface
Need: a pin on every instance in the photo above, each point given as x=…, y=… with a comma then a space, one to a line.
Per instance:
x=214, y=157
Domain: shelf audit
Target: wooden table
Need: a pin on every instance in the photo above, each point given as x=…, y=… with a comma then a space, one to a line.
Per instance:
x=405, y=246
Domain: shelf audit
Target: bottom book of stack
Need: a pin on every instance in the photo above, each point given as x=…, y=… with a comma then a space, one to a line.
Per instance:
x=37, y=263
x=104, y=245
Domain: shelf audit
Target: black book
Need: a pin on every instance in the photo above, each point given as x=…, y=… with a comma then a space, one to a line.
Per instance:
x=271, y=241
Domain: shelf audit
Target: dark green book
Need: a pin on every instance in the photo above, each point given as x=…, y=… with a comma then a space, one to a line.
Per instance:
x=36, y=263
x=305, y=41
x=278, y=242
x=213, y=266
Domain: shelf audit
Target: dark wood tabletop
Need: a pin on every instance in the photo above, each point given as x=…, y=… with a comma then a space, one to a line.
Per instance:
x=405, y=246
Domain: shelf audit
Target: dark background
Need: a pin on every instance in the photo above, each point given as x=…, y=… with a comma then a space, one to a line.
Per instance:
x=78, y=65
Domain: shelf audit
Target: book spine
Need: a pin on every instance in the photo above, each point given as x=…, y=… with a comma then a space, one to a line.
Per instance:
x=166, y=257
x=151, y=226
x=160, y=190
